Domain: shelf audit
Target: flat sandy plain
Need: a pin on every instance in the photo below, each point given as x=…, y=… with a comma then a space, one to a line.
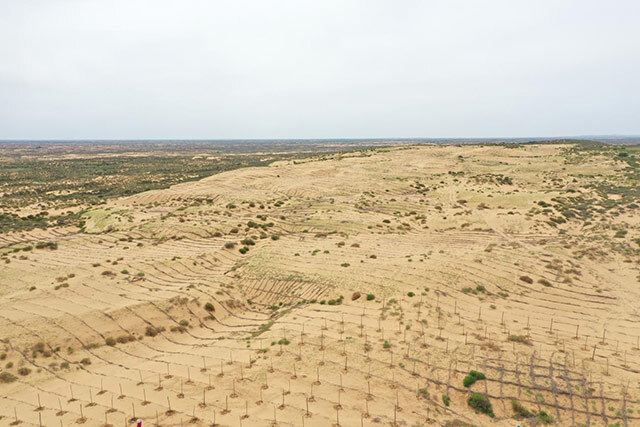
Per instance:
x=518, y=262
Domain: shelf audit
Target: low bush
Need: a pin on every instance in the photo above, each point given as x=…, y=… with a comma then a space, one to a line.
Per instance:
x=152, y=332
x=371, y=297
x=526, y=279
x=24, y=371
x=125, y=339
x=522, y=339
x=481, y=404
x=446, y=400
x=6, y=377
x=47, y=245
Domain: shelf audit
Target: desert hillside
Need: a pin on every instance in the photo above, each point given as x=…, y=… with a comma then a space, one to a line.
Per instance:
x=345, y=289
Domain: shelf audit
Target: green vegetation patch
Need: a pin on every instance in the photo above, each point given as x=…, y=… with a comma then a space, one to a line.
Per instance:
x=471, y=379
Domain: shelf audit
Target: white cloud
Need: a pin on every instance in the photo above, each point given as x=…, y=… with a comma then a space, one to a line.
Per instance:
x=330, y=68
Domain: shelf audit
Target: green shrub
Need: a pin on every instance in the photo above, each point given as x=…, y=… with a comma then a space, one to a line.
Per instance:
x=209, y=307
x=371, y=297
x=229, y=245
x=248, y=242
x=620, y=234
x=446, y=400
x=411, y=294
x=243, y=250
x=86, y=361
x=481, y=404
x=544, y=417
x=471, y=379
x=386, y=344
x=110, y=341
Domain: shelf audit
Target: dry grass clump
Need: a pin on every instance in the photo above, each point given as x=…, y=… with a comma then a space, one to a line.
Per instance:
x=7, y=377
x=544, y=282
x=24, y=371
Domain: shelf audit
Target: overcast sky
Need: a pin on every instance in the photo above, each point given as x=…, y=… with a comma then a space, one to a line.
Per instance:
x=317, y=69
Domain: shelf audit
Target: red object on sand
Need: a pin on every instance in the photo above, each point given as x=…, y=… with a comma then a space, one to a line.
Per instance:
x=139, y=423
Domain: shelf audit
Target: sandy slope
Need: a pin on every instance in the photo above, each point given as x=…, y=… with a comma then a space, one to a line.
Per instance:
x=458, y=260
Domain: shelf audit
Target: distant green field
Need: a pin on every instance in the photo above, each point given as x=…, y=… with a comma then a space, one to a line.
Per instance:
x=31, y=186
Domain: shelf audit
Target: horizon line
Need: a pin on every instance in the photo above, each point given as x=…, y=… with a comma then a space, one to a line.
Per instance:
x=289, y=139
